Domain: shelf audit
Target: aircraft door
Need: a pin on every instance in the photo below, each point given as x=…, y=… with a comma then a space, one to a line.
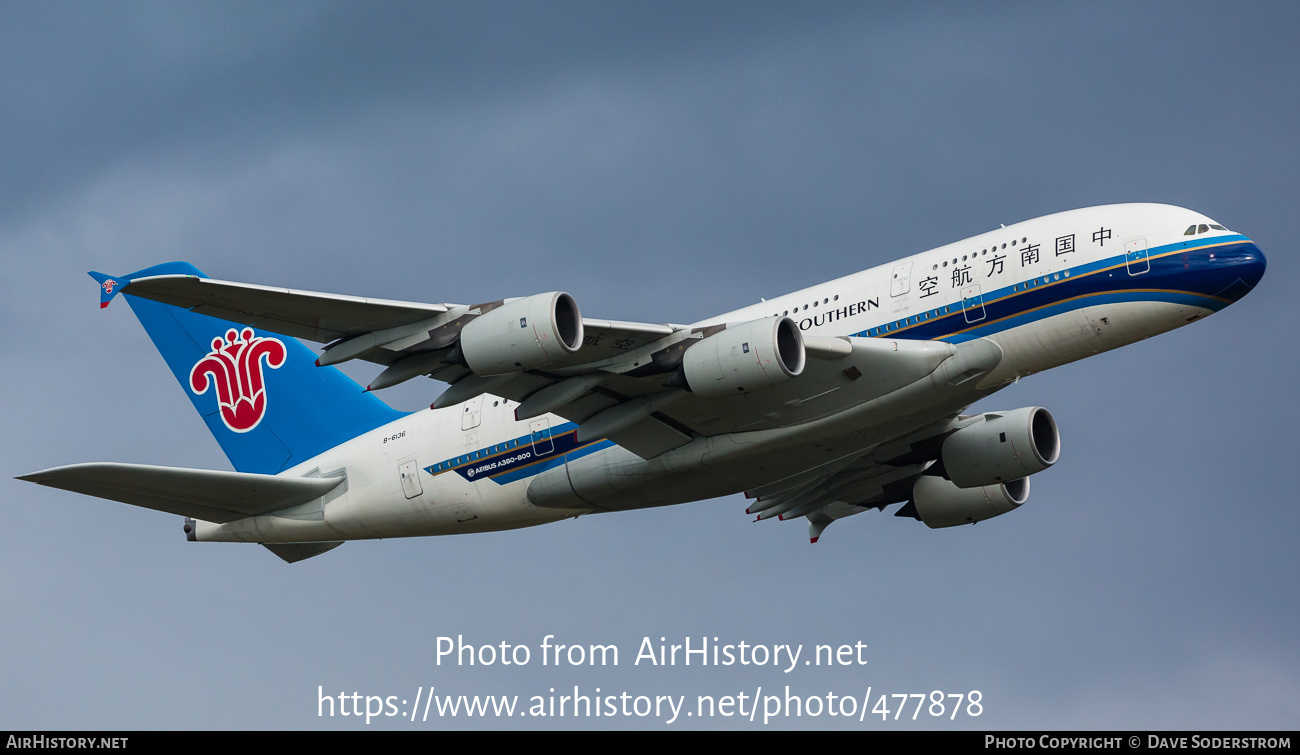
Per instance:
x=901, y=282
x=540, y=429
x=472, y=414
x=410, y=472
x=1135, y=257
x=972, y=303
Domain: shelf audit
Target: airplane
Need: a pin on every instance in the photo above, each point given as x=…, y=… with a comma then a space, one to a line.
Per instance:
x=817, y=405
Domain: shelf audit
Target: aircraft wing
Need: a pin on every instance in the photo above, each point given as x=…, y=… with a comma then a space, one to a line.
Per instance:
x=392, y=330
x=651, y=412
x=873, y=479
x=647, y=387
x=308, y=315
x=210, y=495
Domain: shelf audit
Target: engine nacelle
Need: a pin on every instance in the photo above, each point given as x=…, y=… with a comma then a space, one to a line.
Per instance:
x=1005, y=446
x=745, y=358
x=939, y=503
x=523, y=334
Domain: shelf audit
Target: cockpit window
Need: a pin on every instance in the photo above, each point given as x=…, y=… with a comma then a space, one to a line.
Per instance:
x=1191, y=231
x=1217, y=227
x=1202, y=228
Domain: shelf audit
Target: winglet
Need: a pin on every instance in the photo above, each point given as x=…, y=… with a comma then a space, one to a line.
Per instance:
x=817, y=524
x=108, y=287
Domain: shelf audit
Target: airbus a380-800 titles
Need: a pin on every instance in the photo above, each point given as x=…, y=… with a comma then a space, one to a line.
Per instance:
x=820, y=404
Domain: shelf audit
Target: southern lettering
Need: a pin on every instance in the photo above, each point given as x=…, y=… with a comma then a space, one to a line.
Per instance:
x=831, y=315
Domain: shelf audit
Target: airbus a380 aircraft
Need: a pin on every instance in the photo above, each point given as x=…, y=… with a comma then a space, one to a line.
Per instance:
x=820, y=404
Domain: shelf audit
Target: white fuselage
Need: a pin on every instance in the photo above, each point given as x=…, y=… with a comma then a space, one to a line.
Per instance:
x=1047, y=291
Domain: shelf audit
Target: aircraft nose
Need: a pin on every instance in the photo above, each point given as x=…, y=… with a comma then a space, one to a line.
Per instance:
x=1241, y=268
x=1252, y=264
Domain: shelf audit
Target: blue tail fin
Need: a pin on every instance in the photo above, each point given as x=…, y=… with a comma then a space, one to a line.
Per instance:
x=262, y=395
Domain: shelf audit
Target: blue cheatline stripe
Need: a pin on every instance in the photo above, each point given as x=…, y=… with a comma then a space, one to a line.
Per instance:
x=979, y=330
x=518, y=458
x=550, y=462
x=1179, y=273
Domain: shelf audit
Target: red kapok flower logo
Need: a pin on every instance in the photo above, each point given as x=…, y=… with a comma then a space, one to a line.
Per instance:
x=235, y=367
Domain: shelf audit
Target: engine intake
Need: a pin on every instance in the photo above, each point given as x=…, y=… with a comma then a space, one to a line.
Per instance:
x=1005, y=446
x=522, y=334
x=745, y=358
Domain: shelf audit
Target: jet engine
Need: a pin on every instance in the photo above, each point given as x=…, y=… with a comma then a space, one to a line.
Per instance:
x=522, y=334
x=745, y=358
x=1005, y=446
x=940, y=503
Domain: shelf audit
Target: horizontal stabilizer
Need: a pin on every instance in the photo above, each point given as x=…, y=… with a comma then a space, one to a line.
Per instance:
x=209, y=495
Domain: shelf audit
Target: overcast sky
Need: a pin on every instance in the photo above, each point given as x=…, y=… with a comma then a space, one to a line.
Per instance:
x=661, y=161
